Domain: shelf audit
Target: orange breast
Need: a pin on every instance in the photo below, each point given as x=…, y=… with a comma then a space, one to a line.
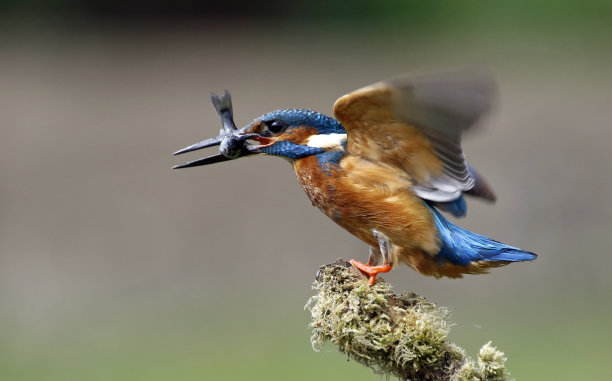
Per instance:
x=360, y=195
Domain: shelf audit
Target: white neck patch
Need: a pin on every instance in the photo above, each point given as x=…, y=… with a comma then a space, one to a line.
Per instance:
x=327, y=141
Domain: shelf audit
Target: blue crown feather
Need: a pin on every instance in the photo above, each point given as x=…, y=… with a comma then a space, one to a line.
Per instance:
x=294, y=117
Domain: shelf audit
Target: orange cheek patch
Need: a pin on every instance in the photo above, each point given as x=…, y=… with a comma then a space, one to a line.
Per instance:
x=255, y=128
x=299, y=135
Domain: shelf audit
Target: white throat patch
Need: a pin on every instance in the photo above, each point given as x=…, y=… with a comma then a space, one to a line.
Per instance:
x=327, y=141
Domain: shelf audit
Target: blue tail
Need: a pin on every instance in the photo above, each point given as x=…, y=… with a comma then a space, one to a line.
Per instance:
x=462, y=247
x=457, y=207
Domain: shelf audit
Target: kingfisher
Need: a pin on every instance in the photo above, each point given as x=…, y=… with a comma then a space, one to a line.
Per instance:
x=386, y=168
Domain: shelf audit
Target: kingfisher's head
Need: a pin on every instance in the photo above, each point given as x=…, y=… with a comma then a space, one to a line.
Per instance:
x=292, y=134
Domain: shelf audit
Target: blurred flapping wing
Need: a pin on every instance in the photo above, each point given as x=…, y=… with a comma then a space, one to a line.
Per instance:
x=416, y=124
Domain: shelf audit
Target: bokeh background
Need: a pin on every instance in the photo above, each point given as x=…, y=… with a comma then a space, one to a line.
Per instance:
x=115, y=267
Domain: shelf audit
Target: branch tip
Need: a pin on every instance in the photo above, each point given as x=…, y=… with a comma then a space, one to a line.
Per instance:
x=400, y=335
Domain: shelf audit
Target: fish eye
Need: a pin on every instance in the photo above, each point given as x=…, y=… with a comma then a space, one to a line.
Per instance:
x=275, y=126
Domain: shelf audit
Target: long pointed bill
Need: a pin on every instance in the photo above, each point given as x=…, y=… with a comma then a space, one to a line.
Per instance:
x=233, y=143
x=231, y=146
x=218, y=158
x=203, y=144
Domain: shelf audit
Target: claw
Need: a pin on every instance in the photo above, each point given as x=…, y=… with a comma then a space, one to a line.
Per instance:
x=372, y=271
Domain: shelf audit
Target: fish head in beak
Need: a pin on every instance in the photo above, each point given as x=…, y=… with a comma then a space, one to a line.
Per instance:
x=233, y=143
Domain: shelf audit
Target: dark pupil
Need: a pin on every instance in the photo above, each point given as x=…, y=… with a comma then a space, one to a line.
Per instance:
x=275, y=126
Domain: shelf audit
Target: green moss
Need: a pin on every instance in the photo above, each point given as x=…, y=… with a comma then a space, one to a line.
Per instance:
x=401, y=335
x=491, y=363
x=468, y=372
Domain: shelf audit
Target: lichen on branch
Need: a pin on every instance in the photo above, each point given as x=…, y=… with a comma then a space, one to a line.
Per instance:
x=400, y=335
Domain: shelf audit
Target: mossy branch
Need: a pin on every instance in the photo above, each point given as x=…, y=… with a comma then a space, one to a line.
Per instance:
x=401, y=335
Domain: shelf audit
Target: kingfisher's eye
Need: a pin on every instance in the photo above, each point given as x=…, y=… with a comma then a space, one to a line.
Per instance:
x=275, y=126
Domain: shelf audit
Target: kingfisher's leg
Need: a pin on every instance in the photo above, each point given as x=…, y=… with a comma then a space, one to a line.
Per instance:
x=384, y=249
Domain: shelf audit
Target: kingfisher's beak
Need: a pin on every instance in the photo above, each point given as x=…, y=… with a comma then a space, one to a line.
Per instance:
x=204, y=161
x=233, y=143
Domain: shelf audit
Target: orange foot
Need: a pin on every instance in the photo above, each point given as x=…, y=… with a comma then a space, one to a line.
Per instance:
x=371, y=270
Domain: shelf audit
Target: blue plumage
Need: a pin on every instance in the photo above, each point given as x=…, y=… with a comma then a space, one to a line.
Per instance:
x=294, y=117
x=462, y=247
x=457, y=208
x=297, y=151
x=291, y=150
x=328, y=159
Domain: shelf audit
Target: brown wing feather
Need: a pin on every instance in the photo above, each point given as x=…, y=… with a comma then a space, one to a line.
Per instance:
x=416, y=125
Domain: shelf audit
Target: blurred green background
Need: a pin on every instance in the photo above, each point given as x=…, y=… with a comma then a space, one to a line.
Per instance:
x=114, y=267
